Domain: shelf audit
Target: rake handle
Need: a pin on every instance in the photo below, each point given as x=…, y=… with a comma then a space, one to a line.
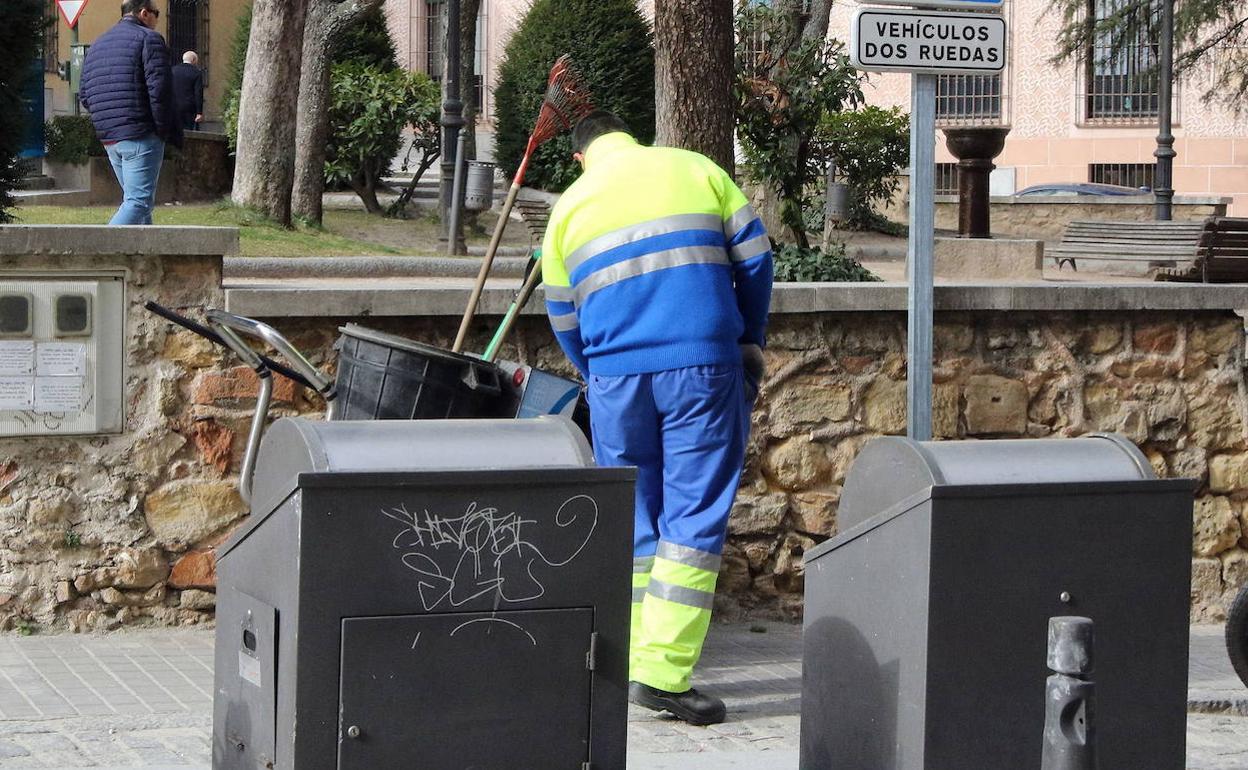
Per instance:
x=475, y=298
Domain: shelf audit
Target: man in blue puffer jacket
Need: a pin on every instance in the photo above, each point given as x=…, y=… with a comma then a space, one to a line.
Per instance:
x=127, y=86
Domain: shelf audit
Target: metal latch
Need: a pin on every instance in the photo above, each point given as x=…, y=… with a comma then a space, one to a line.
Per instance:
x=591, y=657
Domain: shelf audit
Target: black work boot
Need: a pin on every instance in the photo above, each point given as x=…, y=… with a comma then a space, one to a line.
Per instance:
x=690, y=706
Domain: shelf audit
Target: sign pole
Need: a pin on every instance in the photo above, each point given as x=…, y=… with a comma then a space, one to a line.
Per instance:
x=920, y=256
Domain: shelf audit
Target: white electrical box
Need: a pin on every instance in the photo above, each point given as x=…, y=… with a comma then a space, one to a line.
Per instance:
x=62, y=354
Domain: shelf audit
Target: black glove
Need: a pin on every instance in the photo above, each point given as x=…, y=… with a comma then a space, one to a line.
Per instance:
x=752, y=360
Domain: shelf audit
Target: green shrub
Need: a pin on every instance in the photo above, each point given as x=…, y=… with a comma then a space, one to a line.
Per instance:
x=71, y=139
x=869, y=147
x=796, y=263
x=780, y=105
x=611, y=44
x=367, y=42
x=368, y=110
x=20, y=36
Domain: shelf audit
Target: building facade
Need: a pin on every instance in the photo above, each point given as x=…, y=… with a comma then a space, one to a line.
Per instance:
x=1093, y=119
x=204, y=26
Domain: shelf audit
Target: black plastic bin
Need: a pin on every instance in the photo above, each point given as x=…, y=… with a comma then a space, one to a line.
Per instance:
x=386, y=377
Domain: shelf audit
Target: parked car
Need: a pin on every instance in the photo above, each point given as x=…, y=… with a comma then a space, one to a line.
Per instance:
x=1082, y=188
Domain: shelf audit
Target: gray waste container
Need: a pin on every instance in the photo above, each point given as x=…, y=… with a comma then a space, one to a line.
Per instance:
x=926, y=617
x=435, y=593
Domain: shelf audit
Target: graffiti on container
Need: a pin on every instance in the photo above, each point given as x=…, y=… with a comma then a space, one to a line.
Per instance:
x=485, y=551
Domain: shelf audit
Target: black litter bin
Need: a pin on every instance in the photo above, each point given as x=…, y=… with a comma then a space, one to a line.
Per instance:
x=926, y=624
x=386, y=377
x=433, y=593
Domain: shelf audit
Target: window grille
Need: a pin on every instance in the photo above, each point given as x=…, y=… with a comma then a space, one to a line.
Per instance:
x=969, y=100
x=1125, y=174
x=51, y=38
x=1120, y=70
x=946, y=178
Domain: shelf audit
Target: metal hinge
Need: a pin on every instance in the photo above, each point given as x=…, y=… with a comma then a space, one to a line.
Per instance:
x=591, y=658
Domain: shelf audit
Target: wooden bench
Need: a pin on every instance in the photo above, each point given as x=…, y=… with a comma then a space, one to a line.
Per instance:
x=1147, y=244
x=1221, y=256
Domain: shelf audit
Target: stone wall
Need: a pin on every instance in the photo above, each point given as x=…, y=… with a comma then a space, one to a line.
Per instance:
x=90, y=526
x=147, y=510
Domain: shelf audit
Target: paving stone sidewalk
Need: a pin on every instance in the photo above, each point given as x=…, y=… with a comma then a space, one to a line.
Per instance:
x=143, y=699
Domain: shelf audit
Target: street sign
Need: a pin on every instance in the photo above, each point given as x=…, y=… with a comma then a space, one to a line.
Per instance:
x=71, y=10
x=888, y=40
x=983, y=5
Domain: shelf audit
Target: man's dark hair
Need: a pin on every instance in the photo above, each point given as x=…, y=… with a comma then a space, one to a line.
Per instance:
x=131, y=7
x=594, y=125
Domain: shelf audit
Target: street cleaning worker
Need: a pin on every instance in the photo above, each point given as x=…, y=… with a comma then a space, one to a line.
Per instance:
x=658, y=280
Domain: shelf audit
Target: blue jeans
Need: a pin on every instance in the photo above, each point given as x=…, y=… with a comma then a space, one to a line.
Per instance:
x=136, y=162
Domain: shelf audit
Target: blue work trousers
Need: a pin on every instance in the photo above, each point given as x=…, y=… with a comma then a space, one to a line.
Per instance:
x=685, y=430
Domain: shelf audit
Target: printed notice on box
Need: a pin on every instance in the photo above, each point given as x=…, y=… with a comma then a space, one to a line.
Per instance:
x=58, y=394
x=17, y=392
x=17, y=357
x=61, y=359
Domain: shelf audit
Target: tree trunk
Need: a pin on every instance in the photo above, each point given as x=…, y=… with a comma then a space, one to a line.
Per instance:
x=817, y=22
x=326, y=20
x=265, y=167
x=693, y=74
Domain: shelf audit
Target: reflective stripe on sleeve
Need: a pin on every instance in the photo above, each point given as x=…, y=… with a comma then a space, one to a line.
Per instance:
x=647, y=229
x=564, y=323
x=750, y=249
x=660, y=260
x=740, y=218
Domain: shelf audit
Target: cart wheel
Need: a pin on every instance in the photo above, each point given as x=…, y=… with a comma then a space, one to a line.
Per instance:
x=1237, y=634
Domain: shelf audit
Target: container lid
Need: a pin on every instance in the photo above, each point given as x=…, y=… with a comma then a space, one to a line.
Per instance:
x=403, y=343
x=294, y=445
x=892, y=469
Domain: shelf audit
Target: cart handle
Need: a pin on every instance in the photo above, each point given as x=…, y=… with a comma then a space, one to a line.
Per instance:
x=224, y=322
x=215, y=338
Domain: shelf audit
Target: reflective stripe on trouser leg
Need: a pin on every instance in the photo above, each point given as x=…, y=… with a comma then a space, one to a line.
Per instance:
x=641, y=580
x=675, y=616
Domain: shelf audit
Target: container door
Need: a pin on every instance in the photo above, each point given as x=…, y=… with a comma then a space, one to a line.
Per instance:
x=466, y=690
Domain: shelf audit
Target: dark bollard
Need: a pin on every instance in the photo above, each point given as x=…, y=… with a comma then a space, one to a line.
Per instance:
x=1069, y=697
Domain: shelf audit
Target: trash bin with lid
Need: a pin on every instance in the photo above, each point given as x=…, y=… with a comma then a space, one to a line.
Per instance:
x=432, y=593
x=926, y=617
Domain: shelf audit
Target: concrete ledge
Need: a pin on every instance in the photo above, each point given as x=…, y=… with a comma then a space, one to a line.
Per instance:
x=447, y=297
x=102, y=240
x=999, y=258
x=369, y=267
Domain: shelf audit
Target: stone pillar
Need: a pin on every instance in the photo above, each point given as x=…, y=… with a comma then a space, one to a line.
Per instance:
x=974, y=147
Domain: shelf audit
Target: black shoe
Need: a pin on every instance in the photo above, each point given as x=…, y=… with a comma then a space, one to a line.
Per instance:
x=690, y=706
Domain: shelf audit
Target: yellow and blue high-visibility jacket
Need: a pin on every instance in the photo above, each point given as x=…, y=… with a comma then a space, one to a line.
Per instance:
x=654, y=260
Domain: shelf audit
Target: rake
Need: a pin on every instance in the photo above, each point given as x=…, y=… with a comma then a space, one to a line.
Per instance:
x=567, y=100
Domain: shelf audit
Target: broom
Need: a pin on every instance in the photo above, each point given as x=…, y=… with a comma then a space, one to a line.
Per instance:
x=567, y=100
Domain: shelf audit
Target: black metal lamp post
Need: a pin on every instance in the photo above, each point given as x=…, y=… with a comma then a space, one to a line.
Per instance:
x=452, y=116
x=1163, y=179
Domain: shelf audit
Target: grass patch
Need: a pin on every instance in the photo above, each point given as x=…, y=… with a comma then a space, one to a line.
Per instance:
x=346, y=233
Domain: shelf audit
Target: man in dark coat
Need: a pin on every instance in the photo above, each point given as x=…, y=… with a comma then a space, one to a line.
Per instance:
x=188, y=91
x=127, y=86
